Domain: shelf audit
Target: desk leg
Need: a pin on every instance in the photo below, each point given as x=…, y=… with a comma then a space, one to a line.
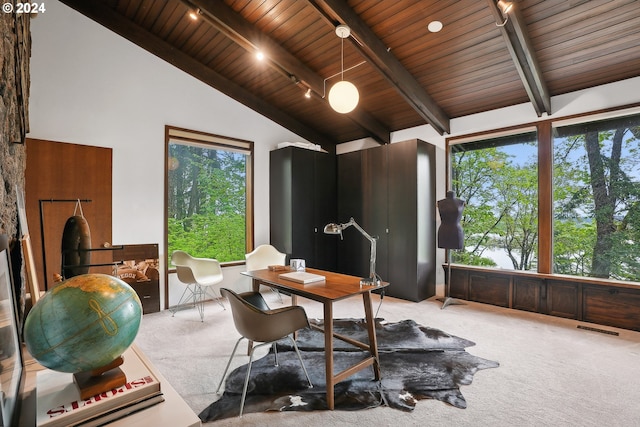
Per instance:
x=371, y=329
x=328, y=349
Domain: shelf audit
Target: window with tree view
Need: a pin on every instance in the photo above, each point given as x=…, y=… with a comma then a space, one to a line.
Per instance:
x=596, y=224
x=208, y=212
x=498, y=179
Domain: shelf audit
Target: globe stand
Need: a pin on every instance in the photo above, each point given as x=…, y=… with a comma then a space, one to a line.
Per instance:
x=91, y=383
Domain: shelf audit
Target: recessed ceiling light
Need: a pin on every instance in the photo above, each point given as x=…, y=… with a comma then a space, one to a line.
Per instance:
x=260, y=55
x=434, y=26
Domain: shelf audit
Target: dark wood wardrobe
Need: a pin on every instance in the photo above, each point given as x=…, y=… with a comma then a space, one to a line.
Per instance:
x=302, y=194
x=388, y=190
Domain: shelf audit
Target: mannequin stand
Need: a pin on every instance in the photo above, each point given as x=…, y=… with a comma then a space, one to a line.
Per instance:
x=447, y=300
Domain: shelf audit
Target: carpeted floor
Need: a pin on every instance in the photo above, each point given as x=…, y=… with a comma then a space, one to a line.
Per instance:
x=551, y=373
x=416, y=363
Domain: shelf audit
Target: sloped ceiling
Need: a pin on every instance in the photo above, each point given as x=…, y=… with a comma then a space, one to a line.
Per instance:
x=407, y=76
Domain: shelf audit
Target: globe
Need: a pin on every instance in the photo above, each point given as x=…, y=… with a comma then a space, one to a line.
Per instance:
x=84, y=323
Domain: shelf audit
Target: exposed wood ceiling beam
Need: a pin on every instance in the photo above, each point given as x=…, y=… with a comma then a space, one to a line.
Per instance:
x=515, y=34
x=235, y=27
x=372, y=48
x=102, y=14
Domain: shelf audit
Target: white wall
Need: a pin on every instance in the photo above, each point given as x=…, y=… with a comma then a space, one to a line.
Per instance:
x=90, y=86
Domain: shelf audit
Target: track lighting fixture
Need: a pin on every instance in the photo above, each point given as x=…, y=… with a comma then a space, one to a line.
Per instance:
x=193, y=14
x=505, y=7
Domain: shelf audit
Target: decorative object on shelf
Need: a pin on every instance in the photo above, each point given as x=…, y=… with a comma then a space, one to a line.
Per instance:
x=450, y=236
x=333, y=228
x=343, y=96
x=85, y=324
x=297, y=264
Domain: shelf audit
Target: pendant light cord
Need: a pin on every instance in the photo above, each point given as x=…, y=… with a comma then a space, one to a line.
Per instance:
x=342, y=58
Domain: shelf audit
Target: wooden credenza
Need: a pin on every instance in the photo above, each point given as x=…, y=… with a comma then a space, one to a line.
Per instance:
x=599, y=301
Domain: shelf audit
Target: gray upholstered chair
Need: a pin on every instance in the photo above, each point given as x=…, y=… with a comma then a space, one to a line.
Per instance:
x=262, y=257
x=200, y=275
x=255, y=322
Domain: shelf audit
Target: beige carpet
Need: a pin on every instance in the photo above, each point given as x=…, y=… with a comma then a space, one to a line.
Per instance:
x=551, y=373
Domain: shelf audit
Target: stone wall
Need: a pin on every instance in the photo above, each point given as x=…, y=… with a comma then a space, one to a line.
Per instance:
x=15, y=53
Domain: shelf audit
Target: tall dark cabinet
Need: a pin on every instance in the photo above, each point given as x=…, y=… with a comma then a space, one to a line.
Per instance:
x=302, y=193
x=390, y=191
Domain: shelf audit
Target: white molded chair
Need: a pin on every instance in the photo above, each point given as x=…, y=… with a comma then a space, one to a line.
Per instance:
x=200, y=275
x=262, y=257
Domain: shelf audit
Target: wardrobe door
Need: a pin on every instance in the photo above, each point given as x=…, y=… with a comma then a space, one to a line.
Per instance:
x=411, y=254
x=325, y=212
x=375, y=207
x=402, y=220
x=302, y=199
x=352, y=259
x=280, y=202
x=302, y=188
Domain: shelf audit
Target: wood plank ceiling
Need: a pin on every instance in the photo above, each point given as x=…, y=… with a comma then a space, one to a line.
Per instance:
x=406, y=75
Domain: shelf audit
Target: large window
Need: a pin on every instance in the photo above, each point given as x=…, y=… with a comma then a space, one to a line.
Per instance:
x=562, y=199
x=208, y=195
x=596, y=188
x=498, y=179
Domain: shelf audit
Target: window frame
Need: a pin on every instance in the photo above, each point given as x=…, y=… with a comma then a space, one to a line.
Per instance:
x=214, y=141
x=489, y=139
x=544, y=129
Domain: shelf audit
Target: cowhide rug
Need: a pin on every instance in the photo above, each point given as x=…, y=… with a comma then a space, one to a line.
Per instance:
x=417, y=362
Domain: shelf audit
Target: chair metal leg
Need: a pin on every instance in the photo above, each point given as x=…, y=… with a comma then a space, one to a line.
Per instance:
x=199, y=295
x=216, y=296
x=246, y=378
x=295, y=346
x=191, y=295
x=277, y=293
x=275, y=354
x=228, y=364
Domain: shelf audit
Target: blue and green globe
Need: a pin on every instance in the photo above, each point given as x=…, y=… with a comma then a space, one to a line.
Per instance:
x=83, y=324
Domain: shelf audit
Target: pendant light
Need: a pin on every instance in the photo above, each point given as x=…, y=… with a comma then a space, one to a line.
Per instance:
x=343, y=96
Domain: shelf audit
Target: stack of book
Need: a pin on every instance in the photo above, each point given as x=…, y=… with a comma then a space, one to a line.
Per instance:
x=58, y=401
x=303, y=277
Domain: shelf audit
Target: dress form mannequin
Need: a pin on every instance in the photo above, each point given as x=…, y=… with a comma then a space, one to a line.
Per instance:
x=450, y=235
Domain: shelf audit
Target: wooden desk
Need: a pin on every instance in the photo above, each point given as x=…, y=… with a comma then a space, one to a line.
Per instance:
x=336, y=287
